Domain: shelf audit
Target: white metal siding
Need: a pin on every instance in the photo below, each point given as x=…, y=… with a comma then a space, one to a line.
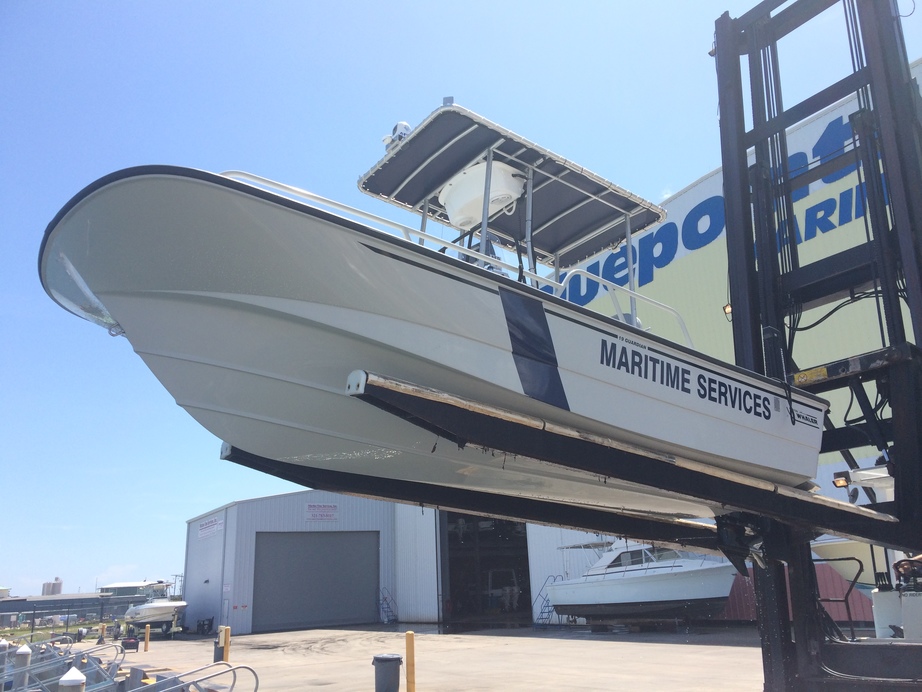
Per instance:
x=230, y=565
x=417, y=578
x=203, y=576
x=289, y=513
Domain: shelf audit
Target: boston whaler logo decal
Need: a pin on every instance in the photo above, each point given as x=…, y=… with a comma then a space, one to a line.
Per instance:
x=633, y=358
x=806, y=418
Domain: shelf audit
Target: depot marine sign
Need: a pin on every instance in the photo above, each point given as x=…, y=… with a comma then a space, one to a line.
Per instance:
x=819, y=210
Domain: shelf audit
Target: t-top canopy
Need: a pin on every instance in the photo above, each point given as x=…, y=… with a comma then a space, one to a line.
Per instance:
x=574, y=213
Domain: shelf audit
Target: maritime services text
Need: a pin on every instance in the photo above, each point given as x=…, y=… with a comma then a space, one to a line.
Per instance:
x=633, y=358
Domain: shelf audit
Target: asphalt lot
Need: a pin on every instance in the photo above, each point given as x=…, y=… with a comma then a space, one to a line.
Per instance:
x=498, y=659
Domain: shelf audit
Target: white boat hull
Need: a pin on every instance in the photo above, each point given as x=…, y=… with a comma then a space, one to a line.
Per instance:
x=252, y=310
x=647, y=592
x=157, y=613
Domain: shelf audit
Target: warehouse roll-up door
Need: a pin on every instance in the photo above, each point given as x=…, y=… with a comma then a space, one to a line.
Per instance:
x=314, y=579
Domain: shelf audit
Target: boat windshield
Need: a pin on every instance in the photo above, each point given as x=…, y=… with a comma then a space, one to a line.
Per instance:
x=628, y=558
x=641, y=556
x=663, y=554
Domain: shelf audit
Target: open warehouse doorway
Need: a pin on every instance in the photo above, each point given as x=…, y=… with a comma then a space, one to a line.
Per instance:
x=488, y=577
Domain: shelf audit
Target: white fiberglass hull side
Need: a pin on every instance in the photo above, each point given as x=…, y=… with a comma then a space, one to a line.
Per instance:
x=656, y=591
x=305, y=418
x=155, y=613
x=252, y=310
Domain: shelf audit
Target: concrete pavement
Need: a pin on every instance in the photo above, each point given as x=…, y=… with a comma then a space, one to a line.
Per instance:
x=704, y=659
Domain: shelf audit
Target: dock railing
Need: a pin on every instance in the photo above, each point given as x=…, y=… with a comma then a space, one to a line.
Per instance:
x=219, y=675
x=40, y=669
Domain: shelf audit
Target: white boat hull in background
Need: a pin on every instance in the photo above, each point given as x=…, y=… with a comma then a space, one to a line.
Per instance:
x=157, y=614
x=675, y=589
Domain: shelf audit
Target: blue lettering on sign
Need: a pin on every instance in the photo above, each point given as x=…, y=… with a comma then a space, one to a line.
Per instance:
x=614, y=268
x=822, y=216
x=798, y=163
x=701, y=226
x=711, y=213
x=845, y=206
x=706, y=222
x=656, y=250
x=819, y=218
x=831, y=143
x=582, y=290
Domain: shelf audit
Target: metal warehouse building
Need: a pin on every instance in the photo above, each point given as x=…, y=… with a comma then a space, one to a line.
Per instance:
x=315, y=558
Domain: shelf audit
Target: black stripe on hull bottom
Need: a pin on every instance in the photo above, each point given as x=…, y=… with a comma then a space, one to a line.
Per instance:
x=645, y=610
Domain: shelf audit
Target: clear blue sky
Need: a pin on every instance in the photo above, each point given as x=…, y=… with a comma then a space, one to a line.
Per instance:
x=99, y=469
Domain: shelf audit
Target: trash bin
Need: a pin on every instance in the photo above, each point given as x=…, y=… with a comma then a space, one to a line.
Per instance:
x=387, y=672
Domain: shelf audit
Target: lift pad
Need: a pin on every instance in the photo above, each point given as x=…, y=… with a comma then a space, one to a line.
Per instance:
x=465, y=422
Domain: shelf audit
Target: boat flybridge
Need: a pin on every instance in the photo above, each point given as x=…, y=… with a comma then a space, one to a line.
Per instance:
x=305, y=332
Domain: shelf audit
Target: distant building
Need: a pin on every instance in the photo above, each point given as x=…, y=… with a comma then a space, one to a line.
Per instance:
x=52, y=588
x=133, y=588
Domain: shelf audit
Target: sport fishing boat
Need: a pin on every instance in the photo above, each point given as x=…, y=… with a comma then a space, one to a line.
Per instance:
x=268, y=313
x=643, y=582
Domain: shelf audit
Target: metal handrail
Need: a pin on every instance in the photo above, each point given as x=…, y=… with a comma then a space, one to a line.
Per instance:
x=63, y=641
x=388, y=602
x=232, y=670
x=542, y=598
x=55, y=665
x=848, y=592
x=408, y=233
x=551, y=578
x=612, y=288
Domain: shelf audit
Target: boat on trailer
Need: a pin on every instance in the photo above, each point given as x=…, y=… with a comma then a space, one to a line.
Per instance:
x=644, y=582
x=268, y=313
x=160, y=610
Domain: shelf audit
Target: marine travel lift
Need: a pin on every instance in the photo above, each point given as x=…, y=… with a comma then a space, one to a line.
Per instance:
x=770, y=287
x=768, y=524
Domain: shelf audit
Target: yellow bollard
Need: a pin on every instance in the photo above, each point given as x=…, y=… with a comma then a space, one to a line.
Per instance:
x=226, y=644
x=411, y=662
x=146, y=637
